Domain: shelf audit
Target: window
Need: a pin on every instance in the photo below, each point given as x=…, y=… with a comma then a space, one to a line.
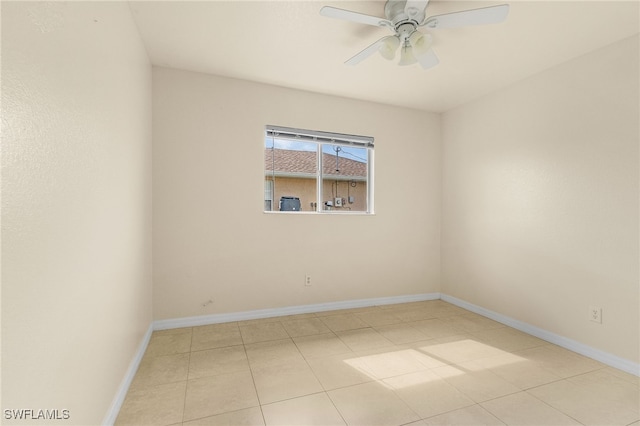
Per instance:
x=311, y=171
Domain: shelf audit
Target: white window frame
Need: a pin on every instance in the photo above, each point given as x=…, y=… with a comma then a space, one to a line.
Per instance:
x=327, y=138
x=268, y=192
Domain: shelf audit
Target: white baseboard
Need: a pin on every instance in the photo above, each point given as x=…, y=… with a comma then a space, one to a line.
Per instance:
x=114, y=409
x=289, y=310
x=588, y=351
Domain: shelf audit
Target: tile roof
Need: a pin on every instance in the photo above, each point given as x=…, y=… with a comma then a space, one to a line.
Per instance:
x=289, y=161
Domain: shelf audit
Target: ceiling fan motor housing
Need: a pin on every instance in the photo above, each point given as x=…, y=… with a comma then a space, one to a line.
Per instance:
x=395, y=12
x=405, y=30
x=403, y=24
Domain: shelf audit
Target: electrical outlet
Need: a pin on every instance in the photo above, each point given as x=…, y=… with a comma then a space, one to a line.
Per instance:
x=595, y=314
x=307, y=280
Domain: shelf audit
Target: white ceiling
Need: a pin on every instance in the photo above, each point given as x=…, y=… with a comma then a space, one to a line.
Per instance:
x=288, y=43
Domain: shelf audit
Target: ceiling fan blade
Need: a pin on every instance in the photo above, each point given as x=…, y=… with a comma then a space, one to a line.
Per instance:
x=482, y=16
x=347, y=15
x=359, y=57
x=415, y=9
x=429, y=59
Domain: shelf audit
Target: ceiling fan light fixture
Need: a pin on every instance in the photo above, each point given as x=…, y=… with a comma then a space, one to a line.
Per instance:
x=388, y=47
x=406, y=55
x=403, y=17
x=420, y=43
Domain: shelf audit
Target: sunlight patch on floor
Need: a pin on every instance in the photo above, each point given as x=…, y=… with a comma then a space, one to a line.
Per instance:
x=388, y=364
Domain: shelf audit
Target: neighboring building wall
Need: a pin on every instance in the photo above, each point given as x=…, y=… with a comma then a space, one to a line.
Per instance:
x=76, y=205
x=332, y=188
x=305, y=189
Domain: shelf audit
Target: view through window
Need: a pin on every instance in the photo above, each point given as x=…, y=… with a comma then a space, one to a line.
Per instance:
x=312, y=171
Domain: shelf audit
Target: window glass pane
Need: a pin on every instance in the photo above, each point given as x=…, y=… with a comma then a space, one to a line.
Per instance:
x=344, y=178
x=291, y=167
x=308, y=170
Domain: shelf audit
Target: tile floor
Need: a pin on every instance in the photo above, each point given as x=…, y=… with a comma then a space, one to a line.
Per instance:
x=422, y=363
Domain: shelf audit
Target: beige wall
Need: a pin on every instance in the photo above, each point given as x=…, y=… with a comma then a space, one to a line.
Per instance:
x=76, y=205
x=210, y=232
x=540, y=200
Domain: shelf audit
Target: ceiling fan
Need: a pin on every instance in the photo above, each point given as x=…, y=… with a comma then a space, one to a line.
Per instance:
x=404, y=17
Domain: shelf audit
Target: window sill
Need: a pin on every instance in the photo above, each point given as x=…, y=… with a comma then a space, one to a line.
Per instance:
x=325, y=212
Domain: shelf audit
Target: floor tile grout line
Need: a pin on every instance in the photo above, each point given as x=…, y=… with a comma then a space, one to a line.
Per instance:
x=253, y=379
x=226, y=412
x=292, y=398
x=333, y=403
x=400, y=398
x=186, y=386
x=313, y=372
x=551, y=406
x=255, y=389
x=475, y=404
